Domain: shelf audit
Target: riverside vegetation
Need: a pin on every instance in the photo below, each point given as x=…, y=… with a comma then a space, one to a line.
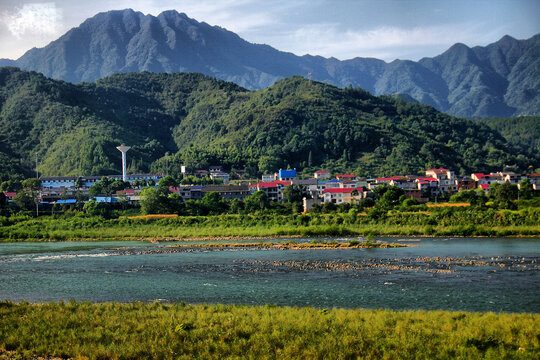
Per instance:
x=163, y=331
x=437, y=222
x=390, y=213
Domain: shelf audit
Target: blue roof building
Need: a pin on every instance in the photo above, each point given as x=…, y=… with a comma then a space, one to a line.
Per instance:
x=287, y=174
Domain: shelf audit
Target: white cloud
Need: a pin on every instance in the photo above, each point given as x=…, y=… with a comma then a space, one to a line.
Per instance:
x=42, y=19
x=383, y=42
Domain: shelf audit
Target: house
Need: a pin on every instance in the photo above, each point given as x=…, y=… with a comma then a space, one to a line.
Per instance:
x=307, y=186
x=345, y=184
x=346, y=177
x=50, y=182
x=68, y=182
x=184, y=192
x=286, y=175
x=414, y=194
x=10, y=195
x=321, y=174
x=308, y=203
x=387, y=180
x=484, y=187
x=477, y=176
x=466, y=183
x=341, y=195
x=273, y=189
x=512, y=178
x=445, y=178
x=534, y=179
x=201, y=173
x=430, y=181
x=103, y=199
x=319, y=188
x=215, y=168
x=333, y=184
x=495, y=178
x=362, y=183
x=228, y=192
x=268, y=177
x=220, y=175
x=130, y=195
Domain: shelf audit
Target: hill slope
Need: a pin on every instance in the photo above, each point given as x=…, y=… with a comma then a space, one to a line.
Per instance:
x=198, y=121
x=522, y=132
x=501, y=79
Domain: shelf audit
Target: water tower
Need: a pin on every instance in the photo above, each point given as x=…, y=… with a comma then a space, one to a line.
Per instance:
x=123, y=148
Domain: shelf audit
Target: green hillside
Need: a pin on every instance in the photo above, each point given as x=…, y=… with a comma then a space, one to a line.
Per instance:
x=197, y=120
x=522, y=131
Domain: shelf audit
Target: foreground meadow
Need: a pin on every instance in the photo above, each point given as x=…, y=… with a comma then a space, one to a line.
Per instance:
x=179, y=331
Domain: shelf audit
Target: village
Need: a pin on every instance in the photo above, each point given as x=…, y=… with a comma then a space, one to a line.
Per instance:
x=436, y=185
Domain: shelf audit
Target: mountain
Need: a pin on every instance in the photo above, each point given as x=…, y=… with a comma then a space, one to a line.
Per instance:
x=196, y=120
x=501, y=79
x=522, y=131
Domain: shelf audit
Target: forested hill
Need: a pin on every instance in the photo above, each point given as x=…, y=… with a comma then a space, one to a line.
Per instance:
x=199, y=121
x=501, y=79
x=522, y=131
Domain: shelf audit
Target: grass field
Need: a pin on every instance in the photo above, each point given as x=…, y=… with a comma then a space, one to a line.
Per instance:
x=179, y=331
x=80, y=227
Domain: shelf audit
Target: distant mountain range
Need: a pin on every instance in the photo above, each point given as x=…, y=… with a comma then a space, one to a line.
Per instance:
x=501, y=79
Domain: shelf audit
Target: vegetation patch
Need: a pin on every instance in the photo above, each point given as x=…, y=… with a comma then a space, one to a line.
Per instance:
x=179, y=331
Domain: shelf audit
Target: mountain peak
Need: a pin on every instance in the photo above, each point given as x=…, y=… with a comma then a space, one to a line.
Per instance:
x=126, y=40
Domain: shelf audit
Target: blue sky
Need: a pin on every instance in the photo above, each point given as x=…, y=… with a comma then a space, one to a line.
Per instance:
x=385, y=29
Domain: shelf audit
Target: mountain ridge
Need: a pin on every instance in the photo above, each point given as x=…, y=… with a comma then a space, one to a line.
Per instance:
x=195, y=120
x=500, y=79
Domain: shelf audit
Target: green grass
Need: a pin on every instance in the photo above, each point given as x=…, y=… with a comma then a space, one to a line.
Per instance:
x=446, y=223
x=164, y=331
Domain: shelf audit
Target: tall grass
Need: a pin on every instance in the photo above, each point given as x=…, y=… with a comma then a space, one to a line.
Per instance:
x=447, y=222
x=164, y=331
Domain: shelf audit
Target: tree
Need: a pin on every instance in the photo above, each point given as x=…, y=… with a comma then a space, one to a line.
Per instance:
x=95, y=208
x=79, y=183
x=167, y=181
x=236, y=206
x=117, y=185
x=292, y=194
x=175, y=203
x=504, y=195
x=472, y=197
x=3, y=203
x=153, y=201
x=257, y=201
x=11, y=186
x=526, y=190
x=32, y=184
x=268, y=164
x=390, y=197
x=95, y=190
x=24, y=200
x=213, y=203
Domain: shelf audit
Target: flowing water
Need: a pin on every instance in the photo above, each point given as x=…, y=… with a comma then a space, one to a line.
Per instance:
x=472, y=274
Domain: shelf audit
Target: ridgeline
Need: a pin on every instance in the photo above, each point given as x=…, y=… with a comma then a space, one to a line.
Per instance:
x=196, y=120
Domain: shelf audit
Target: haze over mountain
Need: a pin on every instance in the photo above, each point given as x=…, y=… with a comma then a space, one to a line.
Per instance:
x=501, y=79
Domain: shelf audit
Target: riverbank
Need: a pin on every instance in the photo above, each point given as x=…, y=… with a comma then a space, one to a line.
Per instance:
x=155, y=330
x=232, y=227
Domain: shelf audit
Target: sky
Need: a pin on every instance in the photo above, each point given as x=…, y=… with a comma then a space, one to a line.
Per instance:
x=344, y=29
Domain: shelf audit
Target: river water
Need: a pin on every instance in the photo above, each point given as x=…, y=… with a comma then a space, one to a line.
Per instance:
x=472, y=274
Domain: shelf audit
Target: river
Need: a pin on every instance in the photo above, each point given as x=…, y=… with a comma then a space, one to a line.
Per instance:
x=471, y=274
